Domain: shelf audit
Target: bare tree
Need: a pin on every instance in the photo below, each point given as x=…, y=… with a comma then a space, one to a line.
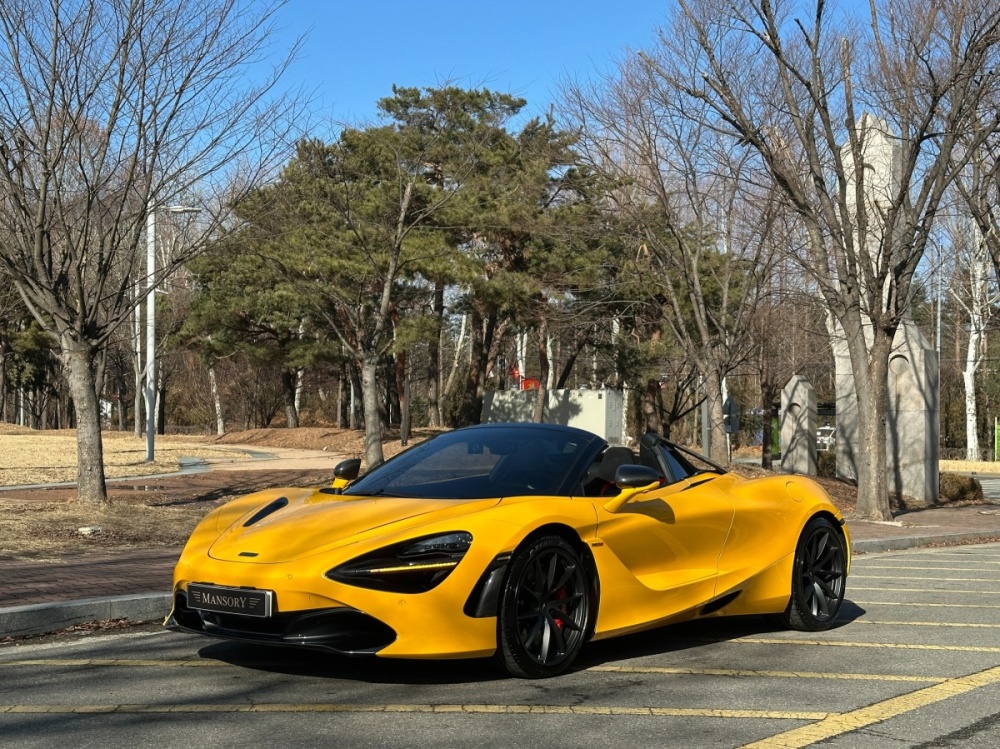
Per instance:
x=810, y=99
x=700, y=229
x=976, y=297
x=110, y=110
x=979, y=189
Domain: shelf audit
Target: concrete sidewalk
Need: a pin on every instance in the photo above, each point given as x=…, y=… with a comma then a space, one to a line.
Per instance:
x=47, y=595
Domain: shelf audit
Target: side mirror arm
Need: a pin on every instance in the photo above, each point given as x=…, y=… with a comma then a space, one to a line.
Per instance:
x=616, y=503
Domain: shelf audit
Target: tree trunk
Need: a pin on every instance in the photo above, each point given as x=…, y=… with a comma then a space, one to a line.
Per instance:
x=434, y=359
x=122, y=408
x=404, y=419
x=373, y=424
x=300, y=385
x=472, y=398
x=3, y=386
x=220, y=424
x=768, y=393
x=543, y=374
x=79, y=362
x=579, y=341
x=356, y=387
x=288, y=382
x=137, y=353
x=871, y=372
x=459, y=345
x=161, y=408
x=341, y=402
x=651, y=410
x=403, y=391
x=719, y=452
x=969, y=378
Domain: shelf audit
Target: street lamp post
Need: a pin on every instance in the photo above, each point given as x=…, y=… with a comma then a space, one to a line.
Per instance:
x=151, y=322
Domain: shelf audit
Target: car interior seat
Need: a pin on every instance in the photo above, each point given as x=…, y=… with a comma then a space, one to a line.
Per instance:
x=602, y=482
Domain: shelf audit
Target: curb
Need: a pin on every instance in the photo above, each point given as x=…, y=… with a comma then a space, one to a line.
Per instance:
x=872, y=545
x=43, y=618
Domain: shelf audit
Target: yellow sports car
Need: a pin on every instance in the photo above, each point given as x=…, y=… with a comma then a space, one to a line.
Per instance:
x=517, y=541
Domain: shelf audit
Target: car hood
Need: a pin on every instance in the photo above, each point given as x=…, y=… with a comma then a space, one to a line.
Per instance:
x=313, y=522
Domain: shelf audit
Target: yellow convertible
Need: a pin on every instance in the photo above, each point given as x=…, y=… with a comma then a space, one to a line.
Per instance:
x=517, y=541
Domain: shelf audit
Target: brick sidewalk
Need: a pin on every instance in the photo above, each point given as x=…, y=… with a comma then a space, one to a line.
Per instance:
x=87, y=575
x=934, y=525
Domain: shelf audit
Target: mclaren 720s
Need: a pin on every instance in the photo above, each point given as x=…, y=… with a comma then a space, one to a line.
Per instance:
x=516, y=541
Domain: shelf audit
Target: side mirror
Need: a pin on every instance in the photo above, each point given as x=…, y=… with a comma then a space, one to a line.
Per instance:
x=635, y=476
x=632, y=480
x=345, y=472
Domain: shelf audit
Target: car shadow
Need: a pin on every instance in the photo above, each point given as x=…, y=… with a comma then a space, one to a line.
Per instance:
x=660, y=641
x=320, y=664
x=676, y=638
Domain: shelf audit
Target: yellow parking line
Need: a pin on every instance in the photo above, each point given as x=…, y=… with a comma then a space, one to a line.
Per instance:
x=871, y=567
x=400, y=708
x=842, y=723
x=667, y=671
x=920, y=579
x=862, y=620
x=855, y=644
x=146, y=663
x=942, y=553
x=923, y=604
x=978, y=591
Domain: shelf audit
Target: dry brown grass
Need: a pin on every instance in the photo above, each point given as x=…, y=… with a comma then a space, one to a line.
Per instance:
x=45, y=530
x=136, y=516
x=33, y=457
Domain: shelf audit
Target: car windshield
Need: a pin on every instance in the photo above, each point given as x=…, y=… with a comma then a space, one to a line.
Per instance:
x=483, y=462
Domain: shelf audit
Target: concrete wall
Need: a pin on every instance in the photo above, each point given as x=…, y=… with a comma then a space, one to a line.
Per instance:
x=599, y=411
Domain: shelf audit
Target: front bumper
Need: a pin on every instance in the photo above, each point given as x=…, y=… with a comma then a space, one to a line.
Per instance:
x=340, y=629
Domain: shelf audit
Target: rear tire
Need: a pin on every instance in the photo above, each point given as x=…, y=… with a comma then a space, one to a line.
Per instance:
x=544, y=610
x=819, y=576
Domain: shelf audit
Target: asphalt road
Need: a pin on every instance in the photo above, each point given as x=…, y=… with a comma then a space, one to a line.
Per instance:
x=915, y=663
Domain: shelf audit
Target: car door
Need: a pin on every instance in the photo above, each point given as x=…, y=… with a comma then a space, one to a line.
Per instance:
x=658, y=553
x=670, y=539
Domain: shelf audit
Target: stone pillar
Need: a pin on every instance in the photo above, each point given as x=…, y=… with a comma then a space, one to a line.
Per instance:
x=846, y=403
x=913, y=425
x=798, y=427
x=912, y=419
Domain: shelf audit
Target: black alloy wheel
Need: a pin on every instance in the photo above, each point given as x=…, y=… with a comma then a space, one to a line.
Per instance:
x=819, y=577
x=544, y=609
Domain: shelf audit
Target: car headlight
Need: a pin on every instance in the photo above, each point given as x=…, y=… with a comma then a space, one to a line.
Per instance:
x=413, y=566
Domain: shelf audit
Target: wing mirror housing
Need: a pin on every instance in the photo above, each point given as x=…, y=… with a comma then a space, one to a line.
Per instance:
x=345, y=472
x=632, y=480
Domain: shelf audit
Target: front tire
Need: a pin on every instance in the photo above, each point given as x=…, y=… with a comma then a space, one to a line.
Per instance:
x=819, y=576
x=544, y=609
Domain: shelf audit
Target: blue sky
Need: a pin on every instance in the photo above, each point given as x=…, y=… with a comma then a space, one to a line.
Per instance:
x=356, y=49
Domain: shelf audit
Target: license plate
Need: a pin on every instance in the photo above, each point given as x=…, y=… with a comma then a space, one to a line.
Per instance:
x=231, y=600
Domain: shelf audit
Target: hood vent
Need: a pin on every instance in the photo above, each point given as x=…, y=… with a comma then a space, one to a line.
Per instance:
x=263, y=512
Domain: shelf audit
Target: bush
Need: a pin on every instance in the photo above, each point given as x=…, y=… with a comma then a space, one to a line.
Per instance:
x=826, y=464
x=958, y=488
